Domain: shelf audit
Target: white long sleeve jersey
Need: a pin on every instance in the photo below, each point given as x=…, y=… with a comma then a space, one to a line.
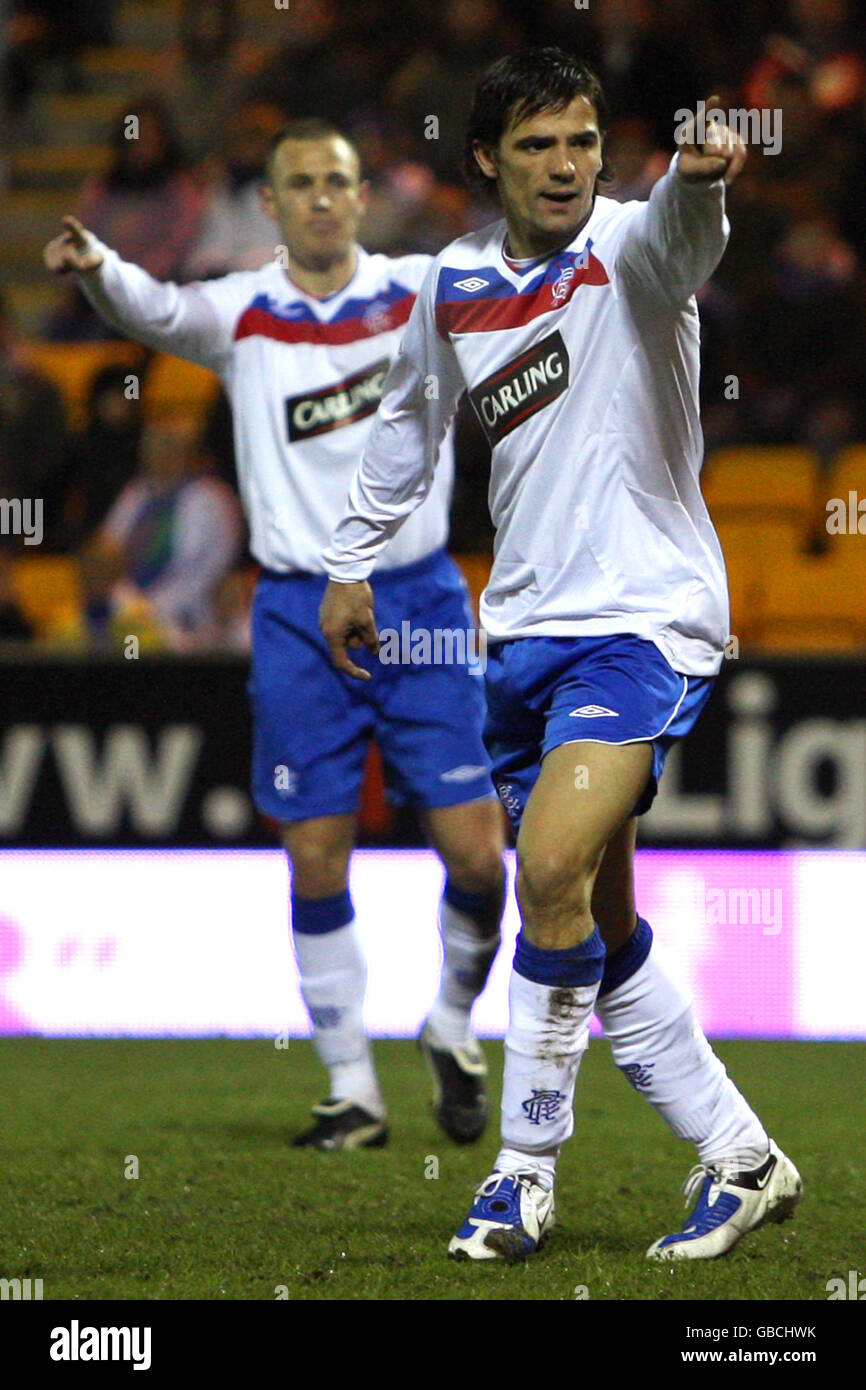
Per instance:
x=583, y=370
x=304, y=377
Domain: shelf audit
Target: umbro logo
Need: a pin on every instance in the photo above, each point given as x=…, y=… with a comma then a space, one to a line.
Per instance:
x=465, y=773
x=472, y=284
x=593, y=712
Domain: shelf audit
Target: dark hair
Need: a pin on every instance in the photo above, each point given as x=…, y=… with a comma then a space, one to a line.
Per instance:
x=521, y=85
x=122, y=174
x=304, y=128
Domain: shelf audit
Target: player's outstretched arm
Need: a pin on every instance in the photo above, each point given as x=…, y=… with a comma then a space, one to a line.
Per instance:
x=674, y=242
x=347, y=619
x=191, y=321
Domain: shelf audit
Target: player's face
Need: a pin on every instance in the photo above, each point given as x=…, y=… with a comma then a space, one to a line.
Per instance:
x=546, y=167
x=318, y=199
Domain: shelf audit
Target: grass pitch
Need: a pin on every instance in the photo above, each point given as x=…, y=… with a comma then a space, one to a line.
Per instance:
x=223, y=1208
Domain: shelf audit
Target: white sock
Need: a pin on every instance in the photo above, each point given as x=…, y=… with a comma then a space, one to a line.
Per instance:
x=659, y=1045
x=468, y=951
x=548, y=1033
x=542, y=1165
x=333, y=980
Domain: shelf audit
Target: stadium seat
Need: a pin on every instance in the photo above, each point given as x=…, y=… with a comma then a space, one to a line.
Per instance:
x=849, y=471
x=72, y=367
x=778, y=483
x=172, y=384
x=57, y=166
x=754, y=546
x=47, y=590
x=847, y=476
x=815, y=604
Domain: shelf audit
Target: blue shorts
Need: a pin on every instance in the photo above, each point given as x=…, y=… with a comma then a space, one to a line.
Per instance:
x=545, y=691
x=312, y=724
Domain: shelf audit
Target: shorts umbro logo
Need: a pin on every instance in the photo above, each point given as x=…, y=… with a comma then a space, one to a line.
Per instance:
x=593, y=712
x=466, y=773
x=472, y=284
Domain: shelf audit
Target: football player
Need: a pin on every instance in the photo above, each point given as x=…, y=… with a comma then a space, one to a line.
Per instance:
x=302, y=347
x=572, y=323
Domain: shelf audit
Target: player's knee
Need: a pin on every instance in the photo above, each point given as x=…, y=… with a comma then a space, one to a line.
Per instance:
x=319, y=869
x=552, y=879
x=477, y=867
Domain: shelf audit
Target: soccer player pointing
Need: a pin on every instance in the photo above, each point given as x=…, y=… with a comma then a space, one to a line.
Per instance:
x=302, y=347
x=573, y=326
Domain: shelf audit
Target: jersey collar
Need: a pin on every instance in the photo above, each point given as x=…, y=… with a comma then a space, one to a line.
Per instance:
x=519, y=269
x=322, y=304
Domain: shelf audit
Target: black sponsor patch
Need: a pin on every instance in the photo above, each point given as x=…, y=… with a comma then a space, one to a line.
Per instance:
x=346, y=401
x=528, y=383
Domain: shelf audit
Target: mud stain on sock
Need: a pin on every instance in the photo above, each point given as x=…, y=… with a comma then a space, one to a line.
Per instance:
x=563, y=1012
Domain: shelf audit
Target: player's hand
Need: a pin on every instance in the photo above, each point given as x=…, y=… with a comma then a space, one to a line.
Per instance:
x=347, y=620
x=70, y=252
x=721, y=154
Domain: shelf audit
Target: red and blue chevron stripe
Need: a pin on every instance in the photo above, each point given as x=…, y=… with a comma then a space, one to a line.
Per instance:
x=357, y=318
x=500, y=305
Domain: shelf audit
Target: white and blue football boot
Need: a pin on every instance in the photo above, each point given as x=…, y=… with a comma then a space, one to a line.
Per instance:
x=510, y=1219
x=731, y=1203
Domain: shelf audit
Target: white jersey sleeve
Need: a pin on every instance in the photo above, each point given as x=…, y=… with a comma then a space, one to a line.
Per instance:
x=192, y=321
x=398, y=465
x=674, y=241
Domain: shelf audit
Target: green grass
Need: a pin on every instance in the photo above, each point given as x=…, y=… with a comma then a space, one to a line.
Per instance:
x=223, y=1208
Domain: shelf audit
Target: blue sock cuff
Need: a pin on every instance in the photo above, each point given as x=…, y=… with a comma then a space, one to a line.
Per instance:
x=315, y=916
x=576, y=965
x=628, y=959
x=462, y=900
x=484, y=909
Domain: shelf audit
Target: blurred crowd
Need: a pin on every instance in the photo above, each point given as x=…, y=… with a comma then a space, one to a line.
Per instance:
x=783, y=318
